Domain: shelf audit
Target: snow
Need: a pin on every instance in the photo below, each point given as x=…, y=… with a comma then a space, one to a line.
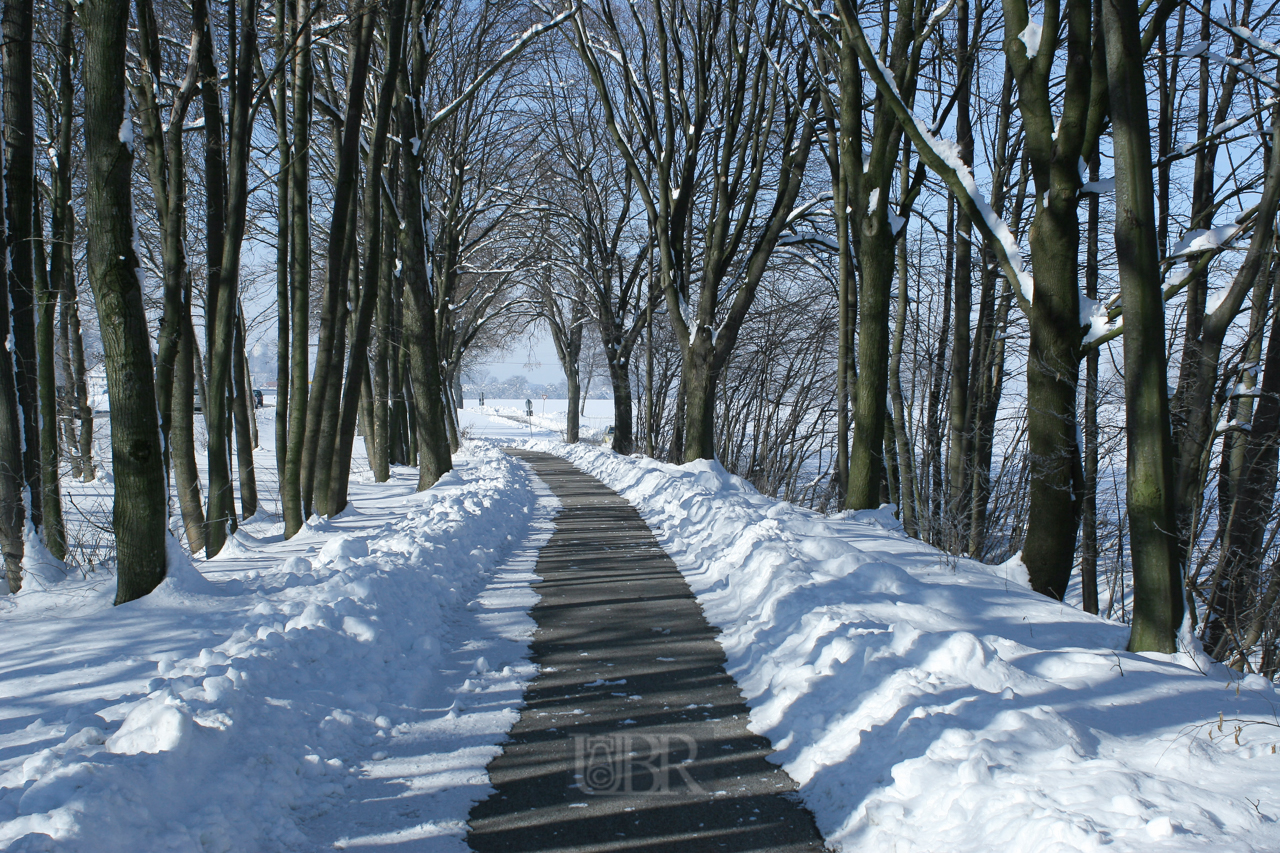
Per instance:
x=343, y=687
x=1101, y=187
x=1031, y=38
x=1093, y=317
x=1206, y=239
x=926, y=702
x=126, y=131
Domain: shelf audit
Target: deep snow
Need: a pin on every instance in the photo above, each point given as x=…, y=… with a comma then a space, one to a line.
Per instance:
x=928, y=703
x=345, y=689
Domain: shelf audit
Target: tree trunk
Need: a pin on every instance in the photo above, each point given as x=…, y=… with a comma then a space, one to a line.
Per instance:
x=331, y=406
x=398, y=377
x=571, y=423
x=80, y=388
x=62, y=216
x=13, y=513
x=46, y=300
x=380, y=453
x=428, y=411
x=242, y=418
x=19, y=183
x=224, y=299
x=213, y=403
x=1204, y=330
x=427, y=417
x=988, y=366
x=1089, y=531
x=285, y=30
x=624, y=441
x=905, y=453
x=358, y=368
x=991, y=386
x=364, y=421
x=1052, y=375
x=299, y=278
x=1157, y=575
x=182, y=439
x=700, y=398
x=933, y=445
x=866, y=454
x=140, y=509
x=1243, y=544
x=959, y=461
x=323, y=405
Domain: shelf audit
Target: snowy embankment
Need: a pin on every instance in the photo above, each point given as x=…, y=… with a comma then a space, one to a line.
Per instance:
x=344, y=688
x=928, y=703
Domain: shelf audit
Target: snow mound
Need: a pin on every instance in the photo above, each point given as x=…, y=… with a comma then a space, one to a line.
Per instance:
x=154, y=726
x=262, y=701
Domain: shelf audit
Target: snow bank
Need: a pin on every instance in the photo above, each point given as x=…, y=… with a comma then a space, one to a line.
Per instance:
x=308, y=694
x=929, y=703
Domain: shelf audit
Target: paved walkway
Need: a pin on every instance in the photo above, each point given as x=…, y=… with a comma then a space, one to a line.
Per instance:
x=633, y=737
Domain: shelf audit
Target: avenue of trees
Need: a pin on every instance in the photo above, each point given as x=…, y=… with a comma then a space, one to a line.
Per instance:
x=1010, y=267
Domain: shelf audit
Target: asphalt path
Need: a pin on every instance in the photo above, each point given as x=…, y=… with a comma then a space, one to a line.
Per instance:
x=633, y=737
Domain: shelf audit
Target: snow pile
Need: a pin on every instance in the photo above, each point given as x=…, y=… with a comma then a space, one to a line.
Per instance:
x=929, y=703
x=307, y=694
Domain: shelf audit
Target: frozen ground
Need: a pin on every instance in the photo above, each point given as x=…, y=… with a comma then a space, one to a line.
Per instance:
x=345, y=689
x=926, y=703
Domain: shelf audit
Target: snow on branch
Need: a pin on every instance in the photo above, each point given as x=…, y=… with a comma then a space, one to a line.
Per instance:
x=943, y=157
x=1201, y=49
x=1246, y=35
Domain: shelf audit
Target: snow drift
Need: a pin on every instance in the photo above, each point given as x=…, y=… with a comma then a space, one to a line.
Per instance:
x=929, y=703
x=342, y=688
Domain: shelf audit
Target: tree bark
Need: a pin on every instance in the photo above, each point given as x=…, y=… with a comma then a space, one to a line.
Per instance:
x=299, y=278
x=1157, y=574
x=1243, y=545
x=959, y=458
x=285, y=30
x=46, y=301
x=182, y=439
x=79, y=388
x=224, y=299
x=1089, y=527
x=324, y=400
x=19, y=182
x=215, y=167
x=13, y=513
x=62, y=222
x=140, y=508
x=358, y=367
x=379, y=449
x=242, y=418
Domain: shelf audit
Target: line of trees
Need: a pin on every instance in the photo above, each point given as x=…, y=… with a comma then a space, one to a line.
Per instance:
x=858, y=252
x=938, y=318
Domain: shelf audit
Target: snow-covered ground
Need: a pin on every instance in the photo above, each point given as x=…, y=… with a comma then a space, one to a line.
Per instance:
x=346, y=688
x=926, y=703
x=496, y=419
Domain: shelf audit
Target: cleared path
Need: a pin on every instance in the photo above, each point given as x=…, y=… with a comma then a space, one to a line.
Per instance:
x=633, y=737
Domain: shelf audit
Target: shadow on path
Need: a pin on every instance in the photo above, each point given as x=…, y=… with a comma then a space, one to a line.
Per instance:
x=633, y=737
